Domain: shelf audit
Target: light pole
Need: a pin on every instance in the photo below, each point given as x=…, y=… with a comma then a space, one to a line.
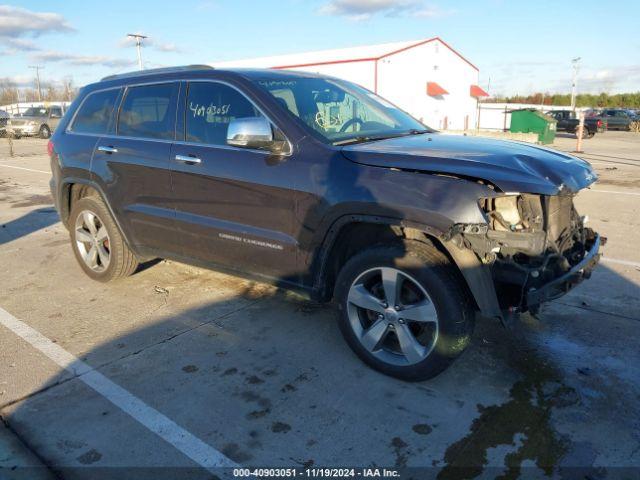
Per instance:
x=138, y=38
x=37, y=68
x=576, y=67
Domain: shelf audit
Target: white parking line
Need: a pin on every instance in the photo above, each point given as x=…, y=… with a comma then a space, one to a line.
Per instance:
x=617, y=192
x=194, y=448
x=628, y=263
x=23, y=168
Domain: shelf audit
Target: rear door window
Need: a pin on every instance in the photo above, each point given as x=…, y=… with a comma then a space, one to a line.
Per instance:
x=148, y=111
x=210, y=108
x=95, y=112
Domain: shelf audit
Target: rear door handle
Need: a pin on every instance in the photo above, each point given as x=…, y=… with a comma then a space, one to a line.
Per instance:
x=188, y=159
x=105, y=149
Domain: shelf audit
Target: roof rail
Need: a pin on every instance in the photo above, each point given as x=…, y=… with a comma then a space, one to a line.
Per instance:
x=153, y=71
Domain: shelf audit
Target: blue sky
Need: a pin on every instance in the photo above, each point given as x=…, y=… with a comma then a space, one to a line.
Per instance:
x=521, y=46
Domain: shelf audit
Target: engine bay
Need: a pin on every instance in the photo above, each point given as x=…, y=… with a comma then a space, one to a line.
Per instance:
x=529, y=240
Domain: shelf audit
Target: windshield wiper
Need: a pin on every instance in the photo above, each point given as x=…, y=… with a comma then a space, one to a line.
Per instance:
x=420, y=132
x=354, y=140
x=373, y=138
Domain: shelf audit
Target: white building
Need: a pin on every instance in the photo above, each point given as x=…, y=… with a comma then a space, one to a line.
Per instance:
x=427, y=78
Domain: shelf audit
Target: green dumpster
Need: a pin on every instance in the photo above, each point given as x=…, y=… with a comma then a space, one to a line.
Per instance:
x=528, y=120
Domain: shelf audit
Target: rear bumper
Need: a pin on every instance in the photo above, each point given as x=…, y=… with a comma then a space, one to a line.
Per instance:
x=561, y=285
x=53, y=186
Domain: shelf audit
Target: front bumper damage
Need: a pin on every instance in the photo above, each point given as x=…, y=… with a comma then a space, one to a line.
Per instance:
x=533, y=249
x=561, y=285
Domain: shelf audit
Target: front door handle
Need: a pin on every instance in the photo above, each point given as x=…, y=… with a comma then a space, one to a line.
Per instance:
x=108, y=149
x=188, y=159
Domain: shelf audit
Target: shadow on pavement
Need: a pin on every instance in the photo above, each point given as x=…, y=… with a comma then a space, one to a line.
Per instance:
x=30, y=222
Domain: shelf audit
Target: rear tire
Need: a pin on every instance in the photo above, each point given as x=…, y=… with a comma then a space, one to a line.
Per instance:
x=97, y=243
x=413, y=344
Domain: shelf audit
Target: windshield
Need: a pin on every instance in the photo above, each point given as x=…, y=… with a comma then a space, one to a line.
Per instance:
x=339, y=111
x=35, y=112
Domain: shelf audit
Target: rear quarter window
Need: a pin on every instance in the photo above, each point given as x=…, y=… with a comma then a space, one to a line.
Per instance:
x=95, y=112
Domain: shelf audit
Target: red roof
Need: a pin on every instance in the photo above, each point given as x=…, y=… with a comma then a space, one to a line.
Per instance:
x=435, y=90
x=375, y=58
x=477, y=92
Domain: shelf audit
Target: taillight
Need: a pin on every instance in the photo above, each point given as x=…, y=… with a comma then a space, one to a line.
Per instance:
x=599, y=123
x=50, y=149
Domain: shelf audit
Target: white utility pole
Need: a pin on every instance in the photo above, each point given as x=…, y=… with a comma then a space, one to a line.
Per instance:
x=574, y=83
x=138, y=38
x=37, y=68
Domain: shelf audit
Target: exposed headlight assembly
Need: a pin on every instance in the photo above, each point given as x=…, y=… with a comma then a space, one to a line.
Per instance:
x=513, y=212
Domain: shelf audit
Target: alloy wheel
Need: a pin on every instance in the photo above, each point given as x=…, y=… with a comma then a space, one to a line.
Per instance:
x=392, y=316
x=92, y=241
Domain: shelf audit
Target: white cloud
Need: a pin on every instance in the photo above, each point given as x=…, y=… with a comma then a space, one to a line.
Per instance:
x=618, y=78
x=51, y=56
x=20, y=22
x=358, y=10
x=432, y=12
x=82, y=60
x=150, y=42
x=20, y=45
x=527, y=77
x=364, y=9
x=167, y=47
x=18, y=81
x=15, y=46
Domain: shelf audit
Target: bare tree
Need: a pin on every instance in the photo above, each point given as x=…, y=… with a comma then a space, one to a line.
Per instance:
x=57, y=91
x=8, y=92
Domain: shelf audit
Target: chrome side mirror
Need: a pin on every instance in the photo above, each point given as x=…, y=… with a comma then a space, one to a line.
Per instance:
x=257, y=132
x=250, y=132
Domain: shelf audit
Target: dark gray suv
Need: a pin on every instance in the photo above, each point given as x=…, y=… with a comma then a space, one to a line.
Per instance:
x=317, y=184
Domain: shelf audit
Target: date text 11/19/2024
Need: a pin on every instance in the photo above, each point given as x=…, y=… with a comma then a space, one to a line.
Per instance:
x=316, y=472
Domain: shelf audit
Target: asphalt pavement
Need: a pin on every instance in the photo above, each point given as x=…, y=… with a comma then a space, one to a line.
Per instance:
x=179, y=370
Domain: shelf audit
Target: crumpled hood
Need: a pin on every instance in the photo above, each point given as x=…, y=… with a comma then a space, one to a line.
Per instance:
x=511, y=166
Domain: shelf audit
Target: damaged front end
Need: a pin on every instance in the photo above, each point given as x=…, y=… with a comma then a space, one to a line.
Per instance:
x=536, y=246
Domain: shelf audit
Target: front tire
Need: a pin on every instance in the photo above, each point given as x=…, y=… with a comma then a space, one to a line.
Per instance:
x=97, y=242
x=404, y=309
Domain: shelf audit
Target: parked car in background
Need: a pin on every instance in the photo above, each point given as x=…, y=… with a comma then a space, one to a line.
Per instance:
x=569, y=122
x=35, y=121
x=634, y=115
x=4, y=117
x=320, y=185
x=617, y=119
